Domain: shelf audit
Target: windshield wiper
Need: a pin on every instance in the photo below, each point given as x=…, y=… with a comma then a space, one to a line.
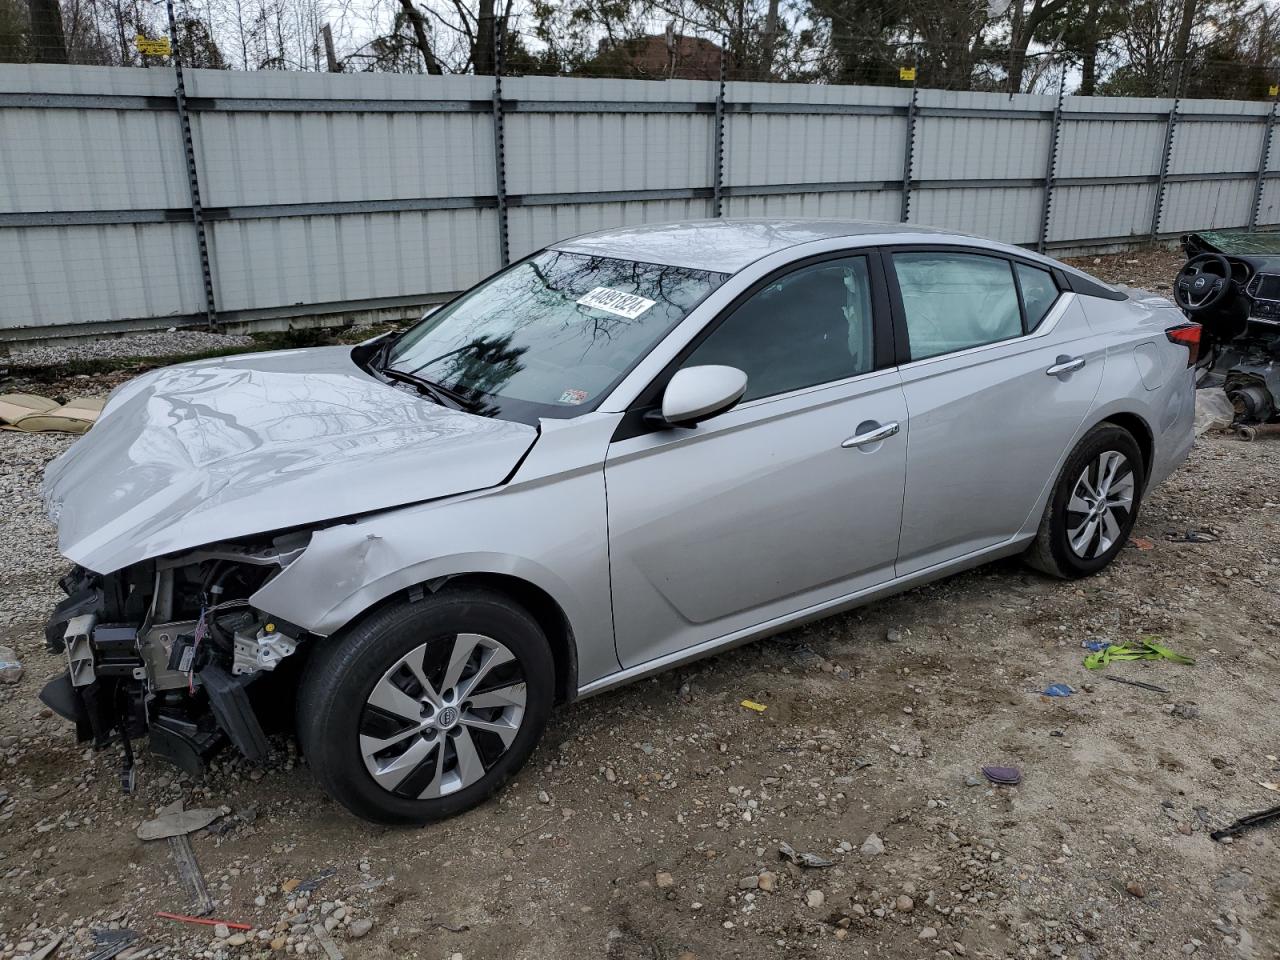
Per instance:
x=438, y=392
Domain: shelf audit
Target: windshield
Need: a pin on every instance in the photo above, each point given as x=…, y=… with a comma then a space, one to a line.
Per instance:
x=550, y=336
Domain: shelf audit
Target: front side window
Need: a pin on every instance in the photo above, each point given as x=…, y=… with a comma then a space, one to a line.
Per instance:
x=954, y=301
x=551, y=336
x=809, y=327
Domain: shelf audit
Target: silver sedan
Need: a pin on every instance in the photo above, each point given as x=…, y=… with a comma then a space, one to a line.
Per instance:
x=629, y=450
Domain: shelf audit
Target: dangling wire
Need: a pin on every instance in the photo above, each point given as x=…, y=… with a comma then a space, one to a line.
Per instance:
x=201, y=628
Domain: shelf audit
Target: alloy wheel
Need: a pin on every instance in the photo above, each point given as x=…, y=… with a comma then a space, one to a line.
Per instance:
x=442, y=715
x=1100, y=505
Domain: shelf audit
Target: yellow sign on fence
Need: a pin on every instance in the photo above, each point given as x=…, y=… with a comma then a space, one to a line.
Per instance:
x=907, y=73
x=153, y=48
x=1274, y=91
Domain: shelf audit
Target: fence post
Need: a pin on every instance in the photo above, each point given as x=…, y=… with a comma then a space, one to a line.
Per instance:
x=1051, y=168
x=1262, y=168
x=499, y=154
x=193, y=181
x=717, y=171
x=907, y=154
x=1158, y=206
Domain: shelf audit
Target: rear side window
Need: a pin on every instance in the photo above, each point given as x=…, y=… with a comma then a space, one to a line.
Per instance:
x=1039, y=293
x=954, y=301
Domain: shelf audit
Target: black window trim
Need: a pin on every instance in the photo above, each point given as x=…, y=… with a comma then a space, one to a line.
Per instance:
x=883, y=335
x=902, y=344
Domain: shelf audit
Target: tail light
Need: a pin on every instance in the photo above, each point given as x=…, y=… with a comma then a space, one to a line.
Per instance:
x=1187, y=334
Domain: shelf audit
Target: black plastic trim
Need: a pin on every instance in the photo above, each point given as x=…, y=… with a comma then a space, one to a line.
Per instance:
x=234, y=712
x=1087, y=286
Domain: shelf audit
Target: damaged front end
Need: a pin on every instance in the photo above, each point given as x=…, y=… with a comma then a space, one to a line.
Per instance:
x=173, y=648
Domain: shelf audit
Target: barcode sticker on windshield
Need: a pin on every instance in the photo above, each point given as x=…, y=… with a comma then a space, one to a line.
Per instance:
x=616, y=302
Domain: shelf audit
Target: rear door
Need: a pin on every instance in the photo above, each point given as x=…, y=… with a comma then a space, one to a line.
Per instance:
x=768, y=508
x=999, y=368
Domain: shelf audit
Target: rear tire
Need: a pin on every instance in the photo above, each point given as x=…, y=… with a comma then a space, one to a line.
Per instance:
x=1093, y=507
x=423, y=710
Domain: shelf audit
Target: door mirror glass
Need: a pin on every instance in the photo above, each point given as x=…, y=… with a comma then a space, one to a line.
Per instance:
x=699, y=393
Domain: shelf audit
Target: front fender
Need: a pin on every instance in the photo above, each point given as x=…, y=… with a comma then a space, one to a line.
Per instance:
x=549, y=534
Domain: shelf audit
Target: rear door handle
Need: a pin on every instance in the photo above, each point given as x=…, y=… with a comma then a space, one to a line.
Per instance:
x=874, y=435
x=1066, y=365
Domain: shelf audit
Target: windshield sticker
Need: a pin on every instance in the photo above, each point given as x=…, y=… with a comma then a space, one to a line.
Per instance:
x=616, y=302
x=573, y=396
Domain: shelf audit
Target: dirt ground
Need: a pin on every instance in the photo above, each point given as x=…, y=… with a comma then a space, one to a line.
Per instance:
x=648, y=824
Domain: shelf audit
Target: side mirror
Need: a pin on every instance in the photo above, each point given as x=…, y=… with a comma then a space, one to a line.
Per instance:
x=699, y=393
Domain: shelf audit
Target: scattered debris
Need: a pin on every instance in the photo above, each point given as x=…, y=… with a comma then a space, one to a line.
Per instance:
x=752, y=705
x=1191, y=536
x=192, y=878
x=1137, y=683
x=1185, y=711
x=873, y=846
x=1058, y=690
x=1004, y=776
x=1249, y=433
x=1135, y=889
x=203, y=921
x=803, y=859
x=1096, y=644
x=176, y=823
x=1141, y=543
x=1246, y=823
x=1214, y=410
x=112, y=943
x=1146, y=649
x=306, y=886
x=32, y=414
x=10, y=666
x=326, y=942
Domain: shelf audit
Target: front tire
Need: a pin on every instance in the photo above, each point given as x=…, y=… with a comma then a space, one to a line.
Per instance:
x=423, y=710
x=1093, y=507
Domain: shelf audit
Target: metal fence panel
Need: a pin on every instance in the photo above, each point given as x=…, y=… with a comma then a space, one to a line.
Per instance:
x=334, y=259
x=1206, y=205
x=95, y=274
x=533, y=228
x=1097, y=212
x=327, y=193
x=857, y=205
x=1010, y=213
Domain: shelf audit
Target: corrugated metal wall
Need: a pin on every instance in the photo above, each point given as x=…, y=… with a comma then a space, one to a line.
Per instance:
x=328, y=194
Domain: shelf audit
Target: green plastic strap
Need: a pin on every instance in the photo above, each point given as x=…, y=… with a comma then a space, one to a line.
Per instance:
x=1149, y=650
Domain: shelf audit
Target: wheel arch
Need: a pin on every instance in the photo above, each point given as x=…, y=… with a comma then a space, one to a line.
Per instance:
x=534, y=599
x=548, y=613
x=1140, y=430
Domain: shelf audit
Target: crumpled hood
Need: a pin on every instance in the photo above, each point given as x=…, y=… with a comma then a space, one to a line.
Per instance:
x=219, y=449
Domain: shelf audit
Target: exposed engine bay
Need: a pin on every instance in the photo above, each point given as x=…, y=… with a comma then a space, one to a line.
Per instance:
x=1230, y=284
x=173, y=648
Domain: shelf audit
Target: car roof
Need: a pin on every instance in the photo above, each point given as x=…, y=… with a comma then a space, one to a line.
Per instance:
x=727, y=245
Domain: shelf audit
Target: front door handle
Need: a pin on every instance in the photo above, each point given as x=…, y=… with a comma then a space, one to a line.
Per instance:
x=874, y=435
x=1066, y=365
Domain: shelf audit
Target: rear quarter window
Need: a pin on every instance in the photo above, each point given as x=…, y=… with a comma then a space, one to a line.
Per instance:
x=1039, y=293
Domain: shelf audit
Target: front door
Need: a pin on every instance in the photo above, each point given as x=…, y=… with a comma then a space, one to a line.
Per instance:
x=779, y=504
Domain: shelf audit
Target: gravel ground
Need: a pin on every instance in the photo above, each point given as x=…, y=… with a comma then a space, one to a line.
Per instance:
x=171, y=344
x=648, y=823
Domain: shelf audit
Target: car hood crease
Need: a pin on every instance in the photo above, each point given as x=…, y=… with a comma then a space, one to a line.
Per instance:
x=222, y=449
